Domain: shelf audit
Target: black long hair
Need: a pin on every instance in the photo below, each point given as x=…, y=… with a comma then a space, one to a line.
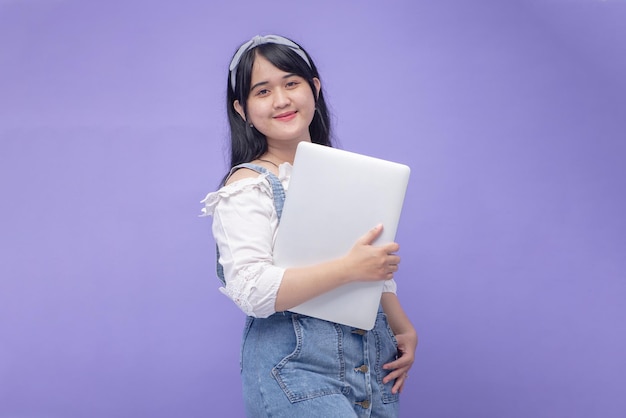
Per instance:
x=246, y=142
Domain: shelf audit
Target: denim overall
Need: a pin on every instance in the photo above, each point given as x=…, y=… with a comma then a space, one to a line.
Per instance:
x=297, y=366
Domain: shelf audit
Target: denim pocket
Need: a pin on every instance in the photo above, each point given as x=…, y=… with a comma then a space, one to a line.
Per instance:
x=386, y=351
x=316, y=367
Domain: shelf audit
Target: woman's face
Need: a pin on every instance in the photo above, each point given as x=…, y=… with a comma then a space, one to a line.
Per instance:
x=280, y=105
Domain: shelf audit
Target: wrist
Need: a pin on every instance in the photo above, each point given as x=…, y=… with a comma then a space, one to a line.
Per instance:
x=344, y=271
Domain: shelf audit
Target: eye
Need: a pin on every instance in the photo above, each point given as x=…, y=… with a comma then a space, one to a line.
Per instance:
x=262, y=92
x=292, y=84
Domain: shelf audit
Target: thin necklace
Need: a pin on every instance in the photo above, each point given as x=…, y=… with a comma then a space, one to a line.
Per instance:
x=268, y=161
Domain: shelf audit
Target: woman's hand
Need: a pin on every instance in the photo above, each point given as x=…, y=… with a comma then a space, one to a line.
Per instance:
x=407, y=343
x=406, y=336
x=366, y=262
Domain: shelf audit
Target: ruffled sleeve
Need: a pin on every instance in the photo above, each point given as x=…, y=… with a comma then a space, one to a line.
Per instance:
x=390, y=286
x=244, y=228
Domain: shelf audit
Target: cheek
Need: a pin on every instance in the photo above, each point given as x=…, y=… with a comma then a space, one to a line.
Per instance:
x=310, y=106
x=254, y=112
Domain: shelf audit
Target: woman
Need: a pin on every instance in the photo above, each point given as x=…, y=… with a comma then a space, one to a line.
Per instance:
x=294, y=365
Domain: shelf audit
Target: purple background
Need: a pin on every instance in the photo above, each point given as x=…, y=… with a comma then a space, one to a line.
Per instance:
x=512, y=115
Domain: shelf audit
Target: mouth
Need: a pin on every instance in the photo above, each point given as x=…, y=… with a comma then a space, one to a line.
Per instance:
x=285, y=117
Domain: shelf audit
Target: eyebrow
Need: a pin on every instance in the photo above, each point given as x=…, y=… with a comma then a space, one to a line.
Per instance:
x=267, y=82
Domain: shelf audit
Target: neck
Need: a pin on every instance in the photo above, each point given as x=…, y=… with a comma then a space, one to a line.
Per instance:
x=281, y=154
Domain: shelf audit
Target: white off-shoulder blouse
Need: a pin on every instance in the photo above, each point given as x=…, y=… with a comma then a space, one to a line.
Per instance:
x=244, y=227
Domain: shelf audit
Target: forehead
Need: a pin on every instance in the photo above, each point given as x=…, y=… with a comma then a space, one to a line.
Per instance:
x=263, y=70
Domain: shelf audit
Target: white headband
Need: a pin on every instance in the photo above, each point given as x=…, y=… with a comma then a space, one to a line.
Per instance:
x=260, y=40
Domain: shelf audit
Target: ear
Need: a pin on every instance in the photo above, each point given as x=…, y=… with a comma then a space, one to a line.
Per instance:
x=239, y=109
x=318, y=87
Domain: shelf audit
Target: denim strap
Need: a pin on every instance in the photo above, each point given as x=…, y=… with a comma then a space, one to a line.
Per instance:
x=279, y=201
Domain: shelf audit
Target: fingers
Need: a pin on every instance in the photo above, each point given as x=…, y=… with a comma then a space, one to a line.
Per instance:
x=391, y=269
x=399, y=368
x=373, y=262
x=403, y=362
x=398, y=376
x=391, y=265
x=393, y=259
x=392, y=247
x=399, y=384
x=371, y=235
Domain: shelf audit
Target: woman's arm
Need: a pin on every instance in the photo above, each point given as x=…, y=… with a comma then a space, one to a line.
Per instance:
x=407, y=341
x=364, y=262
x=244, y=225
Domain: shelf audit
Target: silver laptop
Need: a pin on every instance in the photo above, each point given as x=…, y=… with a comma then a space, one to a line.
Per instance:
x=335, y=197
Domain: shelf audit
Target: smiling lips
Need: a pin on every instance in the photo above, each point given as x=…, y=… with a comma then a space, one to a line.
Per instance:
x=285, y=117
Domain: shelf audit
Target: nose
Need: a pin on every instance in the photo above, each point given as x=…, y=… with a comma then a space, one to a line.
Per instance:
x=281, y=98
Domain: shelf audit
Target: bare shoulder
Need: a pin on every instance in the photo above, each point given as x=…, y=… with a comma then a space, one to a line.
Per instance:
x=240, y=174
x=246, y=173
